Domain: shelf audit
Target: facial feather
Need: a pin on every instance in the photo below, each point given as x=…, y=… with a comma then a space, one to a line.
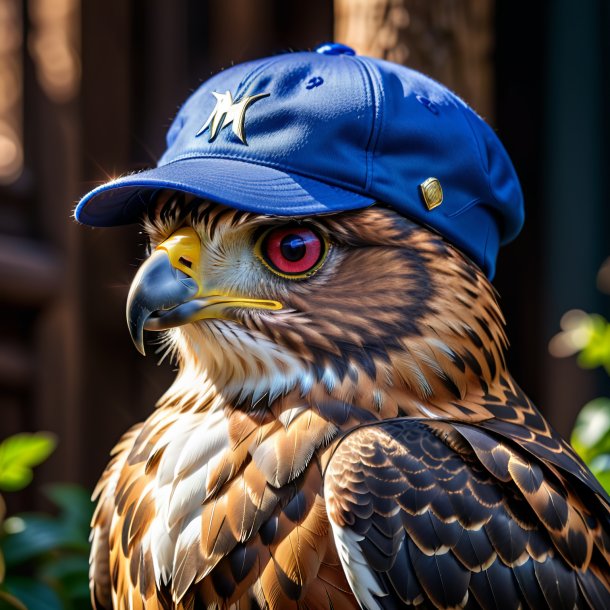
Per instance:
x=220, y=493
x=393, y=305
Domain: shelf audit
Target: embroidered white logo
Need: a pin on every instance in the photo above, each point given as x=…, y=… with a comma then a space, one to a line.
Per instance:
x=227, y=112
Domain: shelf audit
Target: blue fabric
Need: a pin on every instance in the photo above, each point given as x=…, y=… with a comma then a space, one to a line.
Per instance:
x=336, y=131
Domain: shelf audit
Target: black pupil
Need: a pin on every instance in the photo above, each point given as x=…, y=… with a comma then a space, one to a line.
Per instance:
x=293, y=248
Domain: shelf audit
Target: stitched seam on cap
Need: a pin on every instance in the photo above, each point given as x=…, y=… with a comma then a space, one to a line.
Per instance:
x=379, y=113
x=484, y=258
x=465, y=111
x=193, y=92
x=245, y=84
x=302, y=208
x=465, y=207
x=335, y=183
x=341, y=187
x=371, y=100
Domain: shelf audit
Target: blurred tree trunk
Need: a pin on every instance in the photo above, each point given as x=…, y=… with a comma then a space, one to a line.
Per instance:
x=451, y=40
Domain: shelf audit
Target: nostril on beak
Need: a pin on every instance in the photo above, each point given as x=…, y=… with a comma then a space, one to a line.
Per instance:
x=186, y=262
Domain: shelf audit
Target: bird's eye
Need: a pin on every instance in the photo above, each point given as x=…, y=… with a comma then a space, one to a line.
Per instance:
x=294, y=252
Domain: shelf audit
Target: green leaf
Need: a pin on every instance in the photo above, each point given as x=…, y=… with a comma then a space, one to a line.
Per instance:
x=76, y=587
x=591, y=434
x=74, y=503
x=70, y=573
x=15, y=477
x=40, y=535
x=35, y=595
x=9, y=602
x=65, y=567
x=604, y=478
x=19, y=454
x=597, y=350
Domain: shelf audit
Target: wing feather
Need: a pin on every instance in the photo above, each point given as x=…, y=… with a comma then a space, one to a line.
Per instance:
x=454, y=517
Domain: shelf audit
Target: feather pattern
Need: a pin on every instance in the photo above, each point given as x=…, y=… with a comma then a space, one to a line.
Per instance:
x=364, y=446
x=424, y=496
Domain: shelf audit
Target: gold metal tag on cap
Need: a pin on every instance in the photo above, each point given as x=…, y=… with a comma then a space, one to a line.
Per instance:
x=432, y=193
x=227, y=112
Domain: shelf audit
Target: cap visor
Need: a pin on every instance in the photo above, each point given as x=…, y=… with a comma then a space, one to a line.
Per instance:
x=238, y=184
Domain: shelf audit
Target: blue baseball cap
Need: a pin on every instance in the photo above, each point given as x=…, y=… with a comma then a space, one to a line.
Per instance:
x=325, y=131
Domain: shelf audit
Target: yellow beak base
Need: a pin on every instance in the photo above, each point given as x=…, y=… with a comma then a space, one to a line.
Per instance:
x=168, y=290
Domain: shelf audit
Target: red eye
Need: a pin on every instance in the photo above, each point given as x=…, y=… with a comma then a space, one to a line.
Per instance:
x=293, y=251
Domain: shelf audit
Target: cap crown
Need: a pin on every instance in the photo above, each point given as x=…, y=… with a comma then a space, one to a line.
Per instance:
x=317, y=132
x=314, y=121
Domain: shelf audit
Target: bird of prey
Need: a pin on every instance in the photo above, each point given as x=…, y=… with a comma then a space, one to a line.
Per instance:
x=343, y=431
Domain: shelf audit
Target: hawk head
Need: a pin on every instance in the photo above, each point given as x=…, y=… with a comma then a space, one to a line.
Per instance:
x=362, y=305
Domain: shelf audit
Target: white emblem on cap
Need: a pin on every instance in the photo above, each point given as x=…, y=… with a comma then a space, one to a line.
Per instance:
x=227, y=112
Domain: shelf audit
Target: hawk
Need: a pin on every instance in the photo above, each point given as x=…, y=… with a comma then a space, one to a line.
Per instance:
x=343, y=430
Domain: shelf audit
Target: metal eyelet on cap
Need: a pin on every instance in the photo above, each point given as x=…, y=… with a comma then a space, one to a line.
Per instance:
x=334, y=48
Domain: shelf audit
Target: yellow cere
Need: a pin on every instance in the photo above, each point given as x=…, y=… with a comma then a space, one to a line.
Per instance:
x=184, y=251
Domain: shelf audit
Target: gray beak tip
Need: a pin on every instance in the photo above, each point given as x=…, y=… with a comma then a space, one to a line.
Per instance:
x=157, y=286
x=136, y=332
x=140, y=348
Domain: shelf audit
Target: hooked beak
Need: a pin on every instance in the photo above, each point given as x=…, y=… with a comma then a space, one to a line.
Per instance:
x=168, y=290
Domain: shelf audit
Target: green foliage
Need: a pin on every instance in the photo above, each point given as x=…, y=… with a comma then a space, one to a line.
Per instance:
x=591, y=438
x=47, y=556
x=596, y=350
x=588, y=336
x=19, y=454
x=43, y=557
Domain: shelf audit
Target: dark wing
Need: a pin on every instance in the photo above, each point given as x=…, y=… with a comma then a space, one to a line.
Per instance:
x=517, y=419
x=451, y=517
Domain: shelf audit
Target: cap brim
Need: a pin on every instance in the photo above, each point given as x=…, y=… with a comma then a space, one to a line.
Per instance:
x=239, y=184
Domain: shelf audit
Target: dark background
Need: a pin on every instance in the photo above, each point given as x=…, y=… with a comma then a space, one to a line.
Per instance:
x=66, y=360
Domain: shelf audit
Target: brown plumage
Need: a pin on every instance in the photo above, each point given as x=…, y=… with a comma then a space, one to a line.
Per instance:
x=364, y=444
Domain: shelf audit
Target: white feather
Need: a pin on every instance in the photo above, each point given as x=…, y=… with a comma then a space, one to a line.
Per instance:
x=210, y=437
x=356, y=568
x=359, y=574
x=289, y=415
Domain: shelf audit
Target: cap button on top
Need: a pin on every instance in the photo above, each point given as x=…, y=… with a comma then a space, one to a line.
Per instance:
x=335, y=48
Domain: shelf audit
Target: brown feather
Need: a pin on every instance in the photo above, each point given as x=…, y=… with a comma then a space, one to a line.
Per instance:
x=365, y=444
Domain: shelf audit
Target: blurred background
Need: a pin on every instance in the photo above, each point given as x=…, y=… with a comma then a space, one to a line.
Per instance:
x=88, y=89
